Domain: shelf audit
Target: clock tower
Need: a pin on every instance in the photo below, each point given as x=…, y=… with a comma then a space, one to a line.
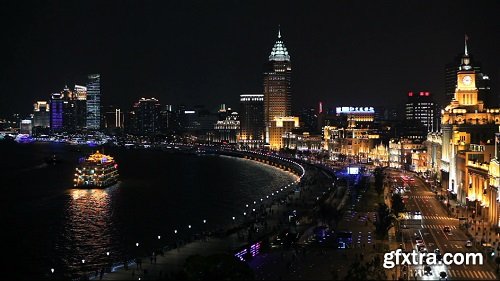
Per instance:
x=466, y=92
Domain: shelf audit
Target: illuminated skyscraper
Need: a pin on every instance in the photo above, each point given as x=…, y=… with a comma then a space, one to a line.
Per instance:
x=421, y=107
x=69, y=110
x=277, y=84
x=94, y=102
x=80, y=100
x=56, y=112
x=148, y=116
x=252, y=120
x=41, y=114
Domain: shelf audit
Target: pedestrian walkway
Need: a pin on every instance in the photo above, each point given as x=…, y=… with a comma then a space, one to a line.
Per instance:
x=276, y=218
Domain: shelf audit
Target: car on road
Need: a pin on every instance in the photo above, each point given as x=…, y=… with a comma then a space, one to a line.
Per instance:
x=447, y=230
x=419, y=240
x=468, y=243
x=417, y=213
x=421, y=249
x=427, y=270
x=443, y=275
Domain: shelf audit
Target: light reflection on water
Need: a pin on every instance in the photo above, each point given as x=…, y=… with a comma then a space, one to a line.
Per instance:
x=57, y=227
x=89, y=229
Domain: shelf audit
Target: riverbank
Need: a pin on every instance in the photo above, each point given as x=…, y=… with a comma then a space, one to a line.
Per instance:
x=268, y=219
x=210, y=229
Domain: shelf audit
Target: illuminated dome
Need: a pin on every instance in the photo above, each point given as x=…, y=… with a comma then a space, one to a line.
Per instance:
x=279, y=52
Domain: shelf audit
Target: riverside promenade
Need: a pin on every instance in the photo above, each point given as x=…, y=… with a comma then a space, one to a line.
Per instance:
x=274, y=218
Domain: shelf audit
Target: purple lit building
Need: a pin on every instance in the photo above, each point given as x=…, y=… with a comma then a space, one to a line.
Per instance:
x=56, y=112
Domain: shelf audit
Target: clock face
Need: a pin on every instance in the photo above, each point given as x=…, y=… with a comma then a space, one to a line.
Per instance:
x=467, y=80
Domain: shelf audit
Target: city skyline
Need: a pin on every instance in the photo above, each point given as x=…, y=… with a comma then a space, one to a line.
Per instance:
x=212, y=53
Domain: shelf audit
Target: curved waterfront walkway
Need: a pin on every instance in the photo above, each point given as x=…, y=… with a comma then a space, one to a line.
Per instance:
x=236, y=237
x=275, y=213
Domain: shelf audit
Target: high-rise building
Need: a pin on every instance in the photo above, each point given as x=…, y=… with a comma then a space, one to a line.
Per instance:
x=80, y=100
x=168, y=122
x=277, y=84
x=94, y=102
x=41, y=114
x=56, y=112
x=252, y=120
x=113, y=119
x=147, y=113
x=309, y=118
x=421, y=107
x=26, y=127
x=69, y=110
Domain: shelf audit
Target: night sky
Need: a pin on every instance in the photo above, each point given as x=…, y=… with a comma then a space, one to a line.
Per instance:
x=209, y=52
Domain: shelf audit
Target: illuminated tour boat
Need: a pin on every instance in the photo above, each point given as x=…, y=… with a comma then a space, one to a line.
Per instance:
x=96, y=171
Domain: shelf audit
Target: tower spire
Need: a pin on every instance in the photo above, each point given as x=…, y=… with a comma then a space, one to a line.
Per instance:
x=279, y=52
x=466, y=38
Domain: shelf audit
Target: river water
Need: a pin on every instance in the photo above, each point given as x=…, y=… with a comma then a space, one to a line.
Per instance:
x=47, y=224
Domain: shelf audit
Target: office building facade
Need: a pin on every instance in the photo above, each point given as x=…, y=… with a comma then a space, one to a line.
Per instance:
x=277, y=84
x=252, y=126
x=94, y=102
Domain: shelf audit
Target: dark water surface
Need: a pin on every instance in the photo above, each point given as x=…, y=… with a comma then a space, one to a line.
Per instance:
x=47, y=224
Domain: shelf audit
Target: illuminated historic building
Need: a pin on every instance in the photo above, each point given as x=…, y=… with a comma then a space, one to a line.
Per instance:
x=401, y=154
x=468, y=129
x=277, y=85
x=482, y=81
x=308, y=142
x=361, y=117
x=280, y=130
x=379, y=155
x=227, y=130
x=351, y=134
x=494, y=181
x=433, y=146
x=252, y=126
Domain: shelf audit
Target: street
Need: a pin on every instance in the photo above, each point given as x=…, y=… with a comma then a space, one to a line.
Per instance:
x=434, y=219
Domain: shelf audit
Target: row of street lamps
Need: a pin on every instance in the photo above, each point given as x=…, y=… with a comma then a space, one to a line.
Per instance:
x=52, y=270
